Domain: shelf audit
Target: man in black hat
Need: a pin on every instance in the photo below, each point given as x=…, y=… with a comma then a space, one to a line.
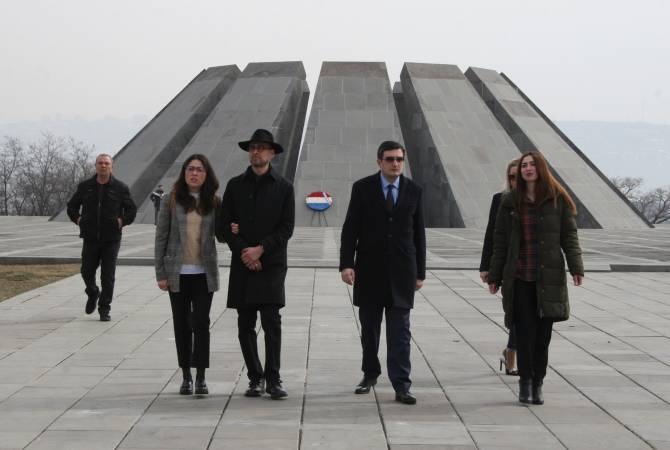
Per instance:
x=263, y=204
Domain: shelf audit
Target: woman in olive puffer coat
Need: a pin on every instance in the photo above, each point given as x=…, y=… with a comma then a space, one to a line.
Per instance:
x=535, y=227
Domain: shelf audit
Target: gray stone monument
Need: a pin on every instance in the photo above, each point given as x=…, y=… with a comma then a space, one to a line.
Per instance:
x=459, y=152
x=600, y=205
x=352, y=113
x=269, y=95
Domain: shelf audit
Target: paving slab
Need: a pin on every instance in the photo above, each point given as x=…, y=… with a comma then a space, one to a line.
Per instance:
x=70, y=381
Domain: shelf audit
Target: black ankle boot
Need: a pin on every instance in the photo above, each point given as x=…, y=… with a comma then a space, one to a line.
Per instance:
x=524, y=391
x=538, y=398
x=200, y=385
x=186, y=385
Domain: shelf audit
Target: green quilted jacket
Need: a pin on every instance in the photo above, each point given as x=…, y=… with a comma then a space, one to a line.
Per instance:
x=557, y=236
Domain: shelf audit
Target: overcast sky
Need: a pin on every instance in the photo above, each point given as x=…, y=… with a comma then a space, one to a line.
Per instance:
x=577, y=60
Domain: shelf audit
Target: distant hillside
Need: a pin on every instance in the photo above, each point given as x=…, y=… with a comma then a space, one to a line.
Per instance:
x=625, y=149
x=617, y=148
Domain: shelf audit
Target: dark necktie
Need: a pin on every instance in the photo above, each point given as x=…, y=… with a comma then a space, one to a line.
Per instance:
x=389, y=197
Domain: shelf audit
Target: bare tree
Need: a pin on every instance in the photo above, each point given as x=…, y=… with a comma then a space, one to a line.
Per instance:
x=654, y=204
x=629, y=186
x=38, y=179
x=11, y=158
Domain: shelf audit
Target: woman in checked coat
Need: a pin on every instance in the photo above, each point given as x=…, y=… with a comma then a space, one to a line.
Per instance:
x=186, y=264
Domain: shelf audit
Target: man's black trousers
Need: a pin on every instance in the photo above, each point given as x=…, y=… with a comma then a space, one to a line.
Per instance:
x=190, y=317
x=246, y=329
x=398, y=340
x=103, y=254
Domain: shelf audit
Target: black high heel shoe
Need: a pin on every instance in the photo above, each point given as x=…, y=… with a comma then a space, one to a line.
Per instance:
x=509, y=365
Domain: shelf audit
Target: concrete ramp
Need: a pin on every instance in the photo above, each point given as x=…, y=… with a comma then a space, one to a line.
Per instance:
x=269, y=95
x=352, y=113
x=458, y=151
x=600, y=204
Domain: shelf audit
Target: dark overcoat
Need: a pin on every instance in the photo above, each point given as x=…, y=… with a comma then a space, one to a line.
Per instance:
x=386, y=249
x=556, y=236
x=264, y=208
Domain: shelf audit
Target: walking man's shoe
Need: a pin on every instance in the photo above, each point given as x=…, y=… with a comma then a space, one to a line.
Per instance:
x=536, y=393
x=364, y=386
x=405, y=398
x=255, y=388
x=105, y=317
x=276, y=391
x=92, y=301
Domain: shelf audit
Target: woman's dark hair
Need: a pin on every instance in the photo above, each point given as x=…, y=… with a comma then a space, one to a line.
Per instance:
x=546, y=186
x=206, y=202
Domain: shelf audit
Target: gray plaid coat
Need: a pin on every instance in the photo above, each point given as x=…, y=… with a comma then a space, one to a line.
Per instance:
x=168, y=252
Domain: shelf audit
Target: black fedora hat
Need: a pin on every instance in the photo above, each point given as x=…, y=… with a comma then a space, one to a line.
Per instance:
x=263, y=136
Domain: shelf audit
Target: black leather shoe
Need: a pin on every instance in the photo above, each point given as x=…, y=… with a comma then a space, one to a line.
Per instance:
x=105, y=317
x=405, y=397
x=201, y=387
x=255, y=389
x=276, y=391
x=92, y=302
x=524, y=391
x=536, y=392
x=186, y=387
x=364, y=386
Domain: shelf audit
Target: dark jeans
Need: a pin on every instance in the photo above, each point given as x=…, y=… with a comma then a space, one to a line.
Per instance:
x=190, y=317
x=532, y=332
x=246, y=332
x=103, y=254
x=398, y=338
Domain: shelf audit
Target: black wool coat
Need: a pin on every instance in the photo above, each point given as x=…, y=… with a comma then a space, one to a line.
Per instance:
x=386, y=249
x=265, y=211
x=99, y=214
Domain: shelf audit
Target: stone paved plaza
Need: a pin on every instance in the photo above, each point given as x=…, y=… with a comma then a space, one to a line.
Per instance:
x=68, y=381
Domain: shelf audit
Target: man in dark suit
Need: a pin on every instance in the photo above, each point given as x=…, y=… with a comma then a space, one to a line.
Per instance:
x=383, y=255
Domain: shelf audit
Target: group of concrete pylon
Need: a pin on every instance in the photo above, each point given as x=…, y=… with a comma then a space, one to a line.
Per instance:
x=460, y=130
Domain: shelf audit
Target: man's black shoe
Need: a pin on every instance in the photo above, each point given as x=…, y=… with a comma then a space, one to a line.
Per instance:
x=186, y=387
x=255, y=389
x=92, y=301
x=105, y=317
x=201, y=387
x=536, y=393
x=275, y=390
x=363, y=387
x=405, y=397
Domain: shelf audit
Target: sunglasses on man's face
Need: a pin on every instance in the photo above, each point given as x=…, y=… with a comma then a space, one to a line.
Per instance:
x=389, y=159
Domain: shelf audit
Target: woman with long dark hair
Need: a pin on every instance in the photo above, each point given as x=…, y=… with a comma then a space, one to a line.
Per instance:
x=186, y=264
x=535, y=227
x=508, y=358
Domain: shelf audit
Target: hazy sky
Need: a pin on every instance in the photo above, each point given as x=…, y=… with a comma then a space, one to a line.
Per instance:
x=578, y=60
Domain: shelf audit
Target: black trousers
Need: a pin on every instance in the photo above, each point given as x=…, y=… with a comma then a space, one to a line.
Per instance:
x=190, y=317
x=398, y=339
x=533, y=334
x=103, y=254
x=246, y=332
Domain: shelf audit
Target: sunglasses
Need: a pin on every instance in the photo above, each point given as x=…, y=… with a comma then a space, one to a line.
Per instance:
x=511, y=177
x=394, y=158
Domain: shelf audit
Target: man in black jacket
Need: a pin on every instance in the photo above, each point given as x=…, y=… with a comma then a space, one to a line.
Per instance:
x=101, y=206
x=383, y=255
x=262, y=203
